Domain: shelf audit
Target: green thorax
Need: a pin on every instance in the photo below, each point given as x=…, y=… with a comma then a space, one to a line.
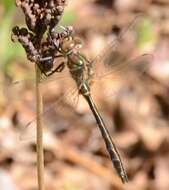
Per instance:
x=74, y=60
x=76, y=67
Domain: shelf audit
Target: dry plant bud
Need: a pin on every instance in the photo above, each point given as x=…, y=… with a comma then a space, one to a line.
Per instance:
x=40, y=17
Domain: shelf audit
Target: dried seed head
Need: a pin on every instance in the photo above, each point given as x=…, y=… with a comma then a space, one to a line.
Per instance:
x=41, y=17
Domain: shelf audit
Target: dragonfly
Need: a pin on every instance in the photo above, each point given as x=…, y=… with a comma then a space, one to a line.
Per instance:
x=80, y=69
x=83, y=72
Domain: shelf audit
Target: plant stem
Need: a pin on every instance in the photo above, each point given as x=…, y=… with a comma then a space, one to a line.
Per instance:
x=39, y=134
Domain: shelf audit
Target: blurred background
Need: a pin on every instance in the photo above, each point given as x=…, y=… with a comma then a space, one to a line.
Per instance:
x=135, y=106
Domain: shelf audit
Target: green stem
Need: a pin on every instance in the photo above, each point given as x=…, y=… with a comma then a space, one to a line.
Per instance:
x=39, y=137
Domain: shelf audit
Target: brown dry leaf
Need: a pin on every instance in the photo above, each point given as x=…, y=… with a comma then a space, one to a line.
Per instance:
x=6, y=182
x=152, y=136
x=127, y=139
x=139, y=182
x=162, y=173
x=76, y=178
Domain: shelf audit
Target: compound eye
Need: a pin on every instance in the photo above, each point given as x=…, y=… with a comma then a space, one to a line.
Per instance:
x=78, y=43
x=70, y=30
x=68, y=45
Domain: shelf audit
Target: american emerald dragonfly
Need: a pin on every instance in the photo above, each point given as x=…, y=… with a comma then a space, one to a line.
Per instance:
x=83, y=72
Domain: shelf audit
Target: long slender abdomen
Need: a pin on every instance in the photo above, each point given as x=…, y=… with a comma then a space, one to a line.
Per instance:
x=114, y=155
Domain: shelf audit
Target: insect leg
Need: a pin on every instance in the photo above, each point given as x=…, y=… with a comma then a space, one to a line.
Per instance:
x=42, y=71
x=42, y=59
x=57, y=69
x=57, y=56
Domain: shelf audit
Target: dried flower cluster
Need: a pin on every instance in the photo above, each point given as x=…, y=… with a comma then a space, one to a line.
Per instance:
x=41, y=18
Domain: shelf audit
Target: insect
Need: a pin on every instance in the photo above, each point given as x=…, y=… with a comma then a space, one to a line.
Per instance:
x=46, y=61
x=80, y=69
x=82, y=72
x=44, y=56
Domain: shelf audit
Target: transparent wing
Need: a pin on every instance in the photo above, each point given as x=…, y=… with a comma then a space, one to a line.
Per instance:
x=54, y=102
x=115, y=64
x=20, y=84
x=123, y=72
x=120, y=66
x=117, y=43
x=28, y=131
x=115, y=56
x=57, y=90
